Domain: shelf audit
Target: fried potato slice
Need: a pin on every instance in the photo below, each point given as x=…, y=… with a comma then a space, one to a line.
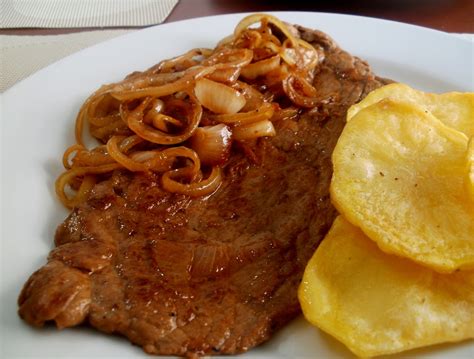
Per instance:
x=454, y=109
x=399, y=175
x=470, y=168
x=376, y=303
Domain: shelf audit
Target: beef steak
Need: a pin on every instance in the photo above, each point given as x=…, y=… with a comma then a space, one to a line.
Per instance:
x=191, y=276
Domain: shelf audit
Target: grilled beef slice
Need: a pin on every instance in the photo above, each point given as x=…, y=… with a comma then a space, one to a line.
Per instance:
x=191, y=276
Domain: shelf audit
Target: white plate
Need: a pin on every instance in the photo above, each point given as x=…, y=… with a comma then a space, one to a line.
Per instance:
x=37, y=123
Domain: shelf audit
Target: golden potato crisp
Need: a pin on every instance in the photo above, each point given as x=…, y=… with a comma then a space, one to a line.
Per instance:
x=454, y=109
x=399, y=175
x=470, y=168
x=376, y=303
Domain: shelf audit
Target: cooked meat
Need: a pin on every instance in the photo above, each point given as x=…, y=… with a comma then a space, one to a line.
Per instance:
x=191, y=276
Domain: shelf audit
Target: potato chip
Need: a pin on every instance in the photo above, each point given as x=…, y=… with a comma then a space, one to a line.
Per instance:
x=399, y=175
x=454, y=109
x=376, y=303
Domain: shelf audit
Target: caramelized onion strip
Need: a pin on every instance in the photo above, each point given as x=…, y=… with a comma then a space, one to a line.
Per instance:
x=185, y=152
x=288, y=113
x=72, y=150
x=252, y=95
x=188, y=57
x=197, y=189
x=309, y=55
x=134, y=119
x=130, y=142
x=300, y=92
x=79, y=156
x=229, y=58
x=86, y=186
x=82, y=115
x=274, y=47
x=118, y=127
x=225, y=75
x=212, y=144
x=115, y=152
x=167, y=89
x=161, y=122
x=264, y=112
x=255, y=18
x=104, y=121
x=143, y=80
x=254, y=130
x=154, y=160
x=218, y=97
x=98, y=112
x=262, y=67
x=68, y=177
x=142, y=119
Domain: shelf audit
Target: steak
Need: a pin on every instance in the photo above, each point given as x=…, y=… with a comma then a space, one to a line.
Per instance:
x=215, y=275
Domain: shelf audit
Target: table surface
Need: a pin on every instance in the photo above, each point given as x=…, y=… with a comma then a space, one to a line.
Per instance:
x=446, y=15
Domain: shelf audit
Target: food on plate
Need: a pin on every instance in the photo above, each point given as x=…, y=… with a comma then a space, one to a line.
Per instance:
x=454, y=109
x=395, y=270
x=399, y=175
x=189, y=109
x=191, y=225
x=377, y=303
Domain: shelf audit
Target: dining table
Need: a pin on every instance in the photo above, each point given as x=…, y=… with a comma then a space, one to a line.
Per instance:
x=34, y=34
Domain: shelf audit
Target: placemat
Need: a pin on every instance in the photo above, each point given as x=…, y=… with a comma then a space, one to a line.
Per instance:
x=83, y=13
x=20, y=56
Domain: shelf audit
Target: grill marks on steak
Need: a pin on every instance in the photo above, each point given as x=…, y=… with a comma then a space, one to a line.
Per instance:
x=206, y=275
